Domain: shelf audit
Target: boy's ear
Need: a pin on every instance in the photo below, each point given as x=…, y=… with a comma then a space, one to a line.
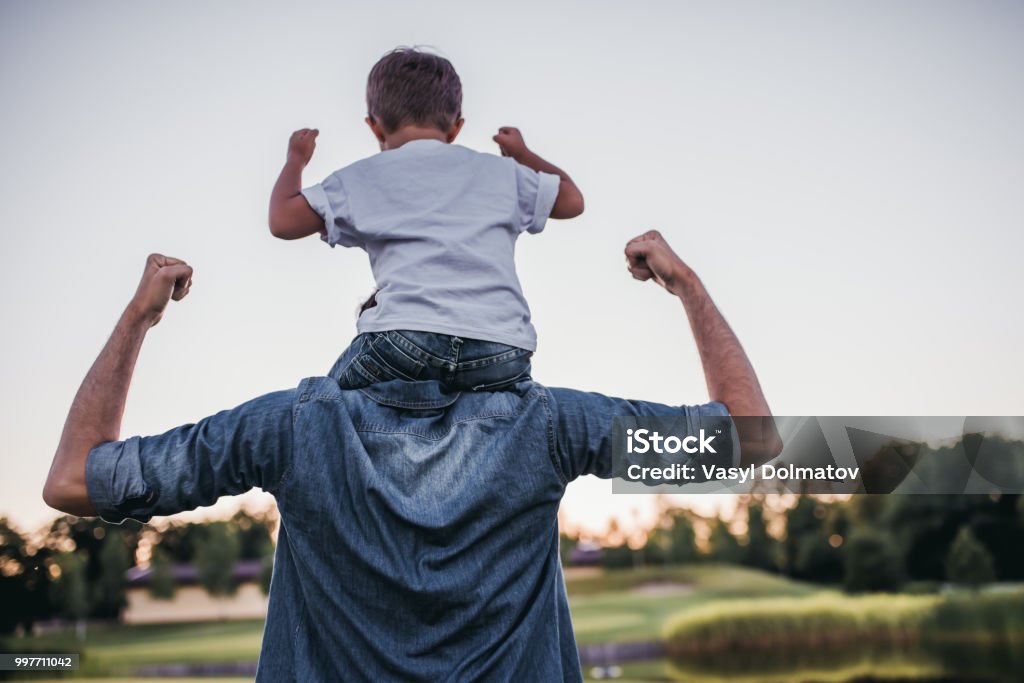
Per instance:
x=453, y=132
x=375, y=126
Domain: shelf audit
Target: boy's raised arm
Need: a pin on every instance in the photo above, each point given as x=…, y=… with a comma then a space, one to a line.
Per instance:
x=291, y=217
x=569, y=203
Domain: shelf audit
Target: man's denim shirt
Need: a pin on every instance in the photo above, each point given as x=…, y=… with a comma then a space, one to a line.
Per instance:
x=418, y=537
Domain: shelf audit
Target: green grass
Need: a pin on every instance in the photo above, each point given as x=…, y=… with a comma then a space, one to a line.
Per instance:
x=606, y=608
x=191, y=679
x=711, y=605
x=613, y=608
x=119, y=650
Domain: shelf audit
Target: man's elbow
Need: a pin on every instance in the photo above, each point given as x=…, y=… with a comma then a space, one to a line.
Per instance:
x=771, y=445
x=759, y=439
x=760, y=451
x=50, y=496
x=68, y=497
x=54, y=495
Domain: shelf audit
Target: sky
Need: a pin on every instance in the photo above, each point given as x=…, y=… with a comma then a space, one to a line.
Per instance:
x=845, y=178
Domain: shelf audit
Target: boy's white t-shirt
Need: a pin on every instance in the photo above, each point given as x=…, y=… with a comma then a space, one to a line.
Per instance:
x=439, y=223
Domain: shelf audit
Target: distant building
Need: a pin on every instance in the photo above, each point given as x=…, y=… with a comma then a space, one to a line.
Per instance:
x=585, y=554
x=191, y=602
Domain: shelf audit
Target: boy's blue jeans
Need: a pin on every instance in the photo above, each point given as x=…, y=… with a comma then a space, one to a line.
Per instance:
x=459, y=364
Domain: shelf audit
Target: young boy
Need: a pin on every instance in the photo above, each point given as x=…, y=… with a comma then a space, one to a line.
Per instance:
x=439, y=222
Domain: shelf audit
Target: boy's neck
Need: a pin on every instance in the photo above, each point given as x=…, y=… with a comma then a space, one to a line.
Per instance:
x=405, y=134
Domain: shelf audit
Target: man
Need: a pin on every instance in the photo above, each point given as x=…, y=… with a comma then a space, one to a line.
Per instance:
x=418, y=536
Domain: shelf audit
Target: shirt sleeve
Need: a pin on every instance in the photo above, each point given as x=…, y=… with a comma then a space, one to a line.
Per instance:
x=537, y=194
x=193, y=465
x=330, y=200
x=583, y=427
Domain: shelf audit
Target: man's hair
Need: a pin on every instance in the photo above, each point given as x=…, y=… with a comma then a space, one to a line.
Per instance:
x=408, y=86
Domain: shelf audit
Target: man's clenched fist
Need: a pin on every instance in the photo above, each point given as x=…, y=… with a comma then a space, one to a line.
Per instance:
x=164, y=278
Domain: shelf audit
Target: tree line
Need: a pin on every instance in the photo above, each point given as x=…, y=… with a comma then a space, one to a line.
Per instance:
x=76, y=569
x=863, y=543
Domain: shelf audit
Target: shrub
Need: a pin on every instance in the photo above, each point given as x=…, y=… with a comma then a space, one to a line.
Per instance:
x=822, y=620
x=871, y=563
x=969, y=563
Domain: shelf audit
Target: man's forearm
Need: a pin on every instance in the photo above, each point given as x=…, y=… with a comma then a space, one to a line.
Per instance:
x=727, y=370
x=95, y=415
x=729, y=375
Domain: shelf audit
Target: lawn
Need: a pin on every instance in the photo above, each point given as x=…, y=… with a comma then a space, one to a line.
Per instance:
x=606, y=607
x=191, y=679
x=634, y=605
x=119, y=650
x=609, y=607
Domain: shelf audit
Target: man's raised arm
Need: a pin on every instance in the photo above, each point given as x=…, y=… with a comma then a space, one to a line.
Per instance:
x=95, y=415
x=729, y=375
